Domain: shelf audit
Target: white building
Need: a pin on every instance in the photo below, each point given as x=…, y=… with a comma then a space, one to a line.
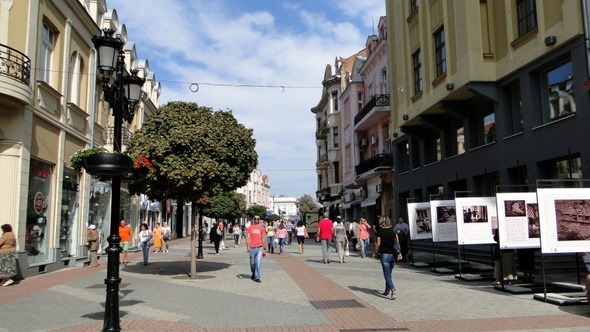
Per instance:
x=284, y=206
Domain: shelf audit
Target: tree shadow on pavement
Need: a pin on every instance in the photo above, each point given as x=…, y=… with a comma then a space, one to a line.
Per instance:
x=174, y=267
x=370, y=291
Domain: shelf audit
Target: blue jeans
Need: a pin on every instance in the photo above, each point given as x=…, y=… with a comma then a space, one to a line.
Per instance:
x=256, y=261
x=281, y=244
x=236, y=240
x=363, y=247
x=145, y=250
x=325, y=250
x=271, y=244
x=387, y=263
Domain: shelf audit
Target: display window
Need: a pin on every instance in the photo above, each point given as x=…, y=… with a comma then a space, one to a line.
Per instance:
x=37, y=232
x=99, y=210
x=69, y=214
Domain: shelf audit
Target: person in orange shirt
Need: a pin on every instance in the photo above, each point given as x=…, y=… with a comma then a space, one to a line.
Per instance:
x=158, y=238
x=125, y=233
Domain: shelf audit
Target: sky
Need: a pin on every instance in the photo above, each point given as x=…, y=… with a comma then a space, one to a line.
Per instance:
x=262, y=59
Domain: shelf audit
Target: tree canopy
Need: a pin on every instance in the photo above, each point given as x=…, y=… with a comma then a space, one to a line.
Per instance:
x=228, y=205
x=195, y=152
x=307, y=204
x=256, y=209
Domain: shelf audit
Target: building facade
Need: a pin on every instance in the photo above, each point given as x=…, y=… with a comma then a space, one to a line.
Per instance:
x=487, y=93
x=257, y=190
x=52, y=105
x=284, y=207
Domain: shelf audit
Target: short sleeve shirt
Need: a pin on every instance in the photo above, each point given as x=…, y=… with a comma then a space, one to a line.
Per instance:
x=125, y=233
x=256, y=232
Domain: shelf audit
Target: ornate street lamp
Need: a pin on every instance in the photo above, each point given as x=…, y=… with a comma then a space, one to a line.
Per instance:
x=122, y=94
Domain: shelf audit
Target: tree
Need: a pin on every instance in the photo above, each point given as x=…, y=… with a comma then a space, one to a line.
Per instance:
x=257, y=210
x=306, y=205
x=195, y=153
x=228, y=205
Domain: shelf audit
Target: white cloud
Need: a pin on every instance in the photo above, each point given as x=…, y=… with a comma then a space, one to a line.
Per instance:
x=233, y=41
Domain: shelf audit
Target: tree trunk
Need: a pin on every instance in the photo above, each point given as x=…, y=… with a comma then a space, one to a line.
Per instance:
x=179, y=218
x=193, y=274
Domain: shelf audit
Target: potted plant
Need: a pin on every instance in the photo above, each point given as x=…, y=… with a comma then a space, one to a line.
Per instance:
x=141, y=167
x=101, y=162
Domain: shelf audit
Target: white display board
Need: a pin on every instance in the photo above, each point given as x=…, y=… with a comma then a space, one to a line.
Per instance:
x=518, y=220
x=564, y=217
x=420, y=221
x=475, y=216
x=444, y=220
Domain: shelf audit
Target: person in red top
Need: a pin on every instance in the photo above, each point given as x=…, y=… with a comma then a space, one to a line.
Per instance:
x=325, y=227
x=256, y=244
x=125, y=233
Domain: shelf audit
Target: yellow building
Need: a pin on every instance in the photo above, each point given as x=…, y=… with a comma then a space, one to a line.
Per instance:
x=486, y=93
x=52, y=105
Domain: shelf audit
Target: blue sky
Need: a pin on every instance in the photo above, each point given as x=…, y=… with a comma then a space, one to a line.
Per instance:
x=255, y=43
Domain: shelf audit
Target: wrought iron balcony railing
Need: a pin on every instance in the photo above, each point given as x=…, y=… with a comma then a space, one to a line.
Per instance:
x=125, y=136
x=15, y=64
x=380, y=161
x=378, y=100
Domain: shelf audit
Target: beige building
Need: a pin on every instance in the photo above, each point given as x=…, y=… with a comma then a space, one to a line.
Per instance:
x=257, y=190
x=486, y=93
x=52, y=105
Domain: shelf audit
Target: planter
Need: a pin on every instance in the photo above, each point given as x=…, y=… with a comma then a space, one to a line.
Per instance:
x=107, y=164
x=135, y=175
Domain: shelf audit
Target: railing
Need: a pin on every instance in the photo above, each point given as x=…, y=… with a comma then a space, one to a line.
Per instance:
x=125, y=136
x=15, y=64
x=378, y=161
x=378, y=100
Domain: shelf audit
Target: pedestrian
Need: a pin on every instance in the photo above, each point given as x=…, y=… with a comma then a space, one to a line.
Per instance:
x=92, y=238
x=387, y=250
x=289, y=226
x=144, y=238
x=403, y=233
x=166, y=232
x=504, y=262
x=157, y=238
x=125, y=234
x=256, y=246
x=215, y=236
x=207, y=230
x=353, y=230
x=301, y=233
x=341, y=239
x=236, y=231
x=324, y=236
x=363, y=235
x=281, y=234
x=270, y=235
x=7, y=255
x=222, y=228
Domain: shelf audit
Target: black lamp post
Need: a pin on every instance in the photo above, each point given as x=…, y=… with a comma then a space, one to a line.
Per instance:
x=122, y=94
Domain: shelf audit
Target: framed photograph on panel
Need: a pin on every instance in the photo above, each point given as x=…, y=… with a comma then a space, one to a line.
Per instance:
x=420, y=221
x=444, y=221
x=518, y=220
x=564, y=217
x=475, y=216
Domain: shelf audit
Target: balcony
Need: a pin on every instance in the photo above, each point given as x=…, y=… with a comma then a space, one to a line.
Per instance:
x=15, y=67
x=380, y=163
x=109, y=135
x=372, y=112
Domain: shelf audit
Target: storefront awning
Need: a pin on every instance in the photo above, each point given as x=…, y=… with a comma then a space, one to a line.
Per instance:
x=371, y=200
x=348, y=205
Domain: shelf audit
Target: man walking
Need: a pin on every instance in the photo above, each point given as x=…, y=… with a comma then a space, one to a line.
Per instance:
x=289, y=227
x=325, y=227
x=126, y=234
x=92, y=238
x=256, y=246
x=403, y=233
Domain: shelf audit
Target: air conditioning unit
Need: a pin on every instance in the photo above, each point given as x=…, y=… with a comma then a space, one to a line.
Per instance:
x=363, y=142
x=379, y=188
x=373, y=140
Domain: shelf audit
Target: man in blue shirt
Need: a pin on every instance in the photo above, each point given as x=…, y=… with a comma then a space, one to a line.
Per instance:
x=403, y=233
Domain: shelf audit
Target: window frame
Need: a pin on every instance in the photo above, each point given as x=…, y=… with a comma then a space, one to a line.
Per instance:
x=48, y=37
x=418, y=72
x=440, y=55
x=526, y=16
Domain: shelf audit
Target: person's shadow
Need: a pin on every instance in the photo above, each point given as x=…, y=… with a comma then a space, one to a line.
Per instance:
x=370, y=291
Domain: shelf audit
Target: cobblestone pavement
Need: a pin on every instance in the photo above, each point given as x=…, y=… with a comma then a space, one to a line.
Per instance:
x=297, y=293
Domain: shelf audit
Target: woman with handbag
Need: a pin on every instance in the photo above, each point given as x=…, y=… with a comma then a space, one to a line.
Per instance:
x=166, y=232
x=144, y=238
x=387, y=250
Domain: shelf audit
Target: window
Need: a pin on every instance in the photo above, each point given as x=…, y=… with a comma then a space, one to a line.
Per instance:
x=335, y=101
x=515, y=108
x=384, y=88
x=418, y=76
x=46, y=56
x=569, y=168
x=414, y=5
x=336, y=172
x=75, y=78
x=486, y=124
x=403, y=157
x=335, y=137
x=557, y=92
x=359, y=100
x=527, y=17
x=440, y=52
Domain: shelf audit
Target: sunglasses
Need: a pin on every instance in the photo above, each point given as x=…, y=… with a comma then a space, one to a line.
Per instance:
x=256, y=218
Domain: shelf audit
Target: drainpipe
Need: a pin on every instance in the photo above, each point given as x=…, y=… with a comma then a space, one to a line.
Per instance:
x=586, y=17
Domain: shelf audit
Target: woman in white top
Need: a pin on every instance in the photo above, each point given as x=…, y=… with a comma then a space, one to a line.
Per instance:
x=144, y=237
x=236, y=231
x=301, y=235
x=166, y=232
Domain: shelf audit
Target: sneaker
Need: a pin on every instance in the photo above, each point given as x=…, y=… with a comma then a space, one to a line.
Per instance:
x=393, y=294
x=252, y=277
x=8, y=283
x=258, y=280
